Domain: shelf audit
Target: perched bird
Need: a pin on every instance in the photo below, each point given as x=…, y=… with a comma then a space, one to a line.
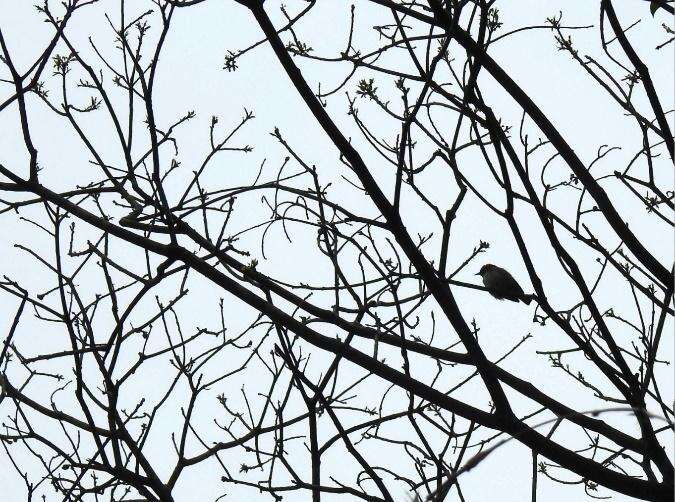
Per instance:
x=502, y=285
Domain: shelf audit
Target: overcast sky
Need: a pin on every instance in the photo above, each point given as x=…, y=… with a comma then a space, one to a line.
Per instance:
x=191, y=77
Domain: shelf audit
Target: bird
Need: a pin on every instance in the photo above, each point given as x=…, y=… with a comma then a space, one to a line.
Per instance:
x=502, y=285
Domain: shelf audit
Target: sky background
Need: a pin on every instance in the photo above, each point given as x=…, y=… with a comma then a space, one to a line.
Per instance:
x=191, y=77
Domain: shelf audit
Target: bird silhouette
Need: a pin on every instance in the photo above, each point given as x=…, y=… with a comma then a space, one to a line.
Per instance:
x=502, y=285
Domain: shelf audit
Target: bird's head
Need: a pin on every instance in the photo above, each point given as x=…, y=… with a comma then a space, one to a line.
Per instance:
x=485, y=269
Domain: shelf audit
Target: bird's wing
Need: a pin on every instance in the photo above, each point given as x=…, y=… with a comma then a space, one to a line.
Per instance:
x=511, y=284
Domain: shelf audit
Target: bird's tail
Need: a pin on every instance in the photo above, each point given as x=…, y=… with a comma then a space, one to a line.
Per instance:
x=526, y=299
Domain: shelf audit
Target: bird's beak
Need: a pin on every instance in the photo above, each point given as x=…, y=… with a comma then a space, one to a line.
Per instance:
x=478, y=273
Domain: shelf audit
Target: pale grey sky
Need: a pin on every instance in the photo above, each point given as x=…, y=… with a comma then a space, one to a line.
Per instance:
x=191, y=77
